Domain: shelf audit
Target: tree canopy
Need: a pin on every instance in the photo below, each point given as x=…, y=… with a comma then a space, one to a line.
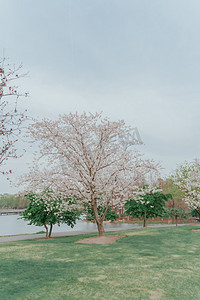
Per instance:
x=146, y=202
x=89, y=157
x=47, y=208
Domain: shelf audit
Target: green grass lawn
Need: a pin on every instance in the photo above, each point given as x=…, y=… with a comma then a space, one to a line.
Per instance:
x=158, y=263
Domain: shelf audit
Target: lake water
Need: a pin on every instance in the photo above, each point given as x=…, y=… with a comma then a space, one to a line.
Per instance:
x=12, y=225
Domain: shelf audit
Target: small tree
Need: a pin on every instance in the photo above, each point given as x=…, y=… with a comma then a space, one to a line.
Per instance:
x=47, y=208
x=11, y=118
x=169, y=187
x=145, y=203
x=175, y=213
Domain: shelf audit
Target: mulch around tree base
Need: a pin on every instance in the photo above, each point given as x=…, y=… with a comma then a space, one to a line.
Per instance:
x=105, y=239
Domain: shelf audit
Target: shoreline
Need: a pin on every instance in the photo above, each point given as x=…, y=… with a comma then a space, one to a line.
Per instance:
x=32, y=236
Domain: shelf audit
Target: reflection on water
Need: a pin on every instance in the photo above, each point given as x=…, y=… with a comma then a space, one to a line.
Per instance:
x=12, y=224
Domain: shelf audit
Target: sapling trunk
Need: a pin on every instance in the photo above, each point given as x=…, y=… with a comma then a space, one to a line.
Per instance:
x=50, y=231
x=46, y=230
x=176, y=218
x=145, y=219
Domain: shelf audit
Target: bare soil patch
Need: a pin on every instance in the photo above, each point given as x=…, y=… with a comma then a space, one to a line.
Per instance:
x=51, y=238
x=105, y=239
x=195, y=229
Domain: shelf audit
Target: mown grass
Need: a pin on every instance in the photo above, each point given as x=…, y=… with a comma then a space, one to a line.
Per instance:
x=158, y=263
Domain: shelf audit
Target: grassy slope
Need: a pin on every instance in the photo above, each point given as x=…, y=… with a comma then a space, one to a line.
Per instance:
x=147, y=264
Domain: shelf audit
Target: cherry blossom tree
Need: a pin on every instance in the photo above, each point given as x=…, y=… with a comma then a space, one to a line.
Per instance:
x=187, y=177
x=88, y=157
x=11, y=118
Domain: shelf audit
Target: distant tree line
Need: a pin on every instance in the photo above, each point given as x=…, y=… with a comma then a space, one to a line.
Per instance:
x=13, y=201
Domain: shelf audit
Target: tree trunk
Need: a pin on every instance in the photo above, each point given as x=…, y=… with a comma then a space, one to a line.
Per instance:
x=176, y=218
x=98, y=219
x=50, y=231
x=145, y=219
x=46, y=230
x=100, y=227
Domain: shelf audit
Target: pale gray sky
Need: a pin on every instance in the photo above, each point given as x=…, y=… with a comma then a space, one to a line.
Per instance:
x=137, y=60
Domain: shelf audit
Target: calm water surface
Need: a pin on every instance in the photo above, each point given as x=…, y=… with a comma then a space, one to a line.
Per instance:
x=11, y=225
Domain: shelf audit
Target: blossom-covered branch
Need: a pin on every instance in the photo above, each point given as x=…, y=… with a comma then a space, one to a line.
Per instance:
x=11, y=118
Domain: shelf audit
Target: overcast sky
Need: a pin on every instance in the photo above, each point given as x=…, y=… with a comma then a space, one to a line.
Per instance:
x=137, y=60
